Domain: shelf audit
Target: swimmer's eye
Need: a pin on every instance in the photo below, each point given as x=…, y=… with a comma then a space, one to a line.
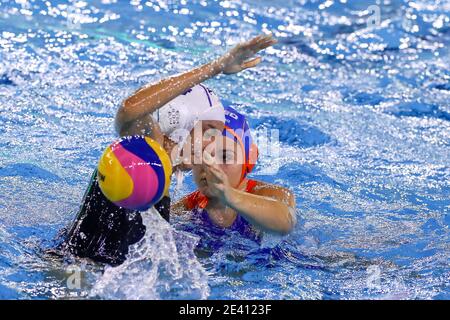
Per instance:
x=227, y=157
x=211, y=133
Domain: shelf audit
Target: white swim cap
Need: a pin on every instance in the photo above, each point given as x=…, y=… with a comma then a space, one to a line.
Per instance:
x=179, y=116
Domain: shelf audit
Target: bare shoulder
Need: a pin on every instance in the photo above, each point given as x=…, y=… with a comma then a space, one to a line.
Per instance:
x=179, y=207
x=274, y=191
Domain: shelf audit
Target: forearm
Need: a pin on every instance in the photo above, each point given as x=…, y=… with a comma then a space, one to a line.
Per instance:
x=268, y=214
x=149, y=98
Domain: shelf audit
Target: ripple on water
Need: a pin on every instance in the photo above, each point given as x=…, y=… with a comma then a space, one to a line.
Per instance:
x=28, y=170
x=293, y=132
x=362, y=113
x=418, y=109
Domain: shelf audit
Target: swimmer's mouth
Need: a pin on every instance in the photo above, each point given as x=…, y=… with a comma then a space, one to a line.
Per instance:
x=203, y=181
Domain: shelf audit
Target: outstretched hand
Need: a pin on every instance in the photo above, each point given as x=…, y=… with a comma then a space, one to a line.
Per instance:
x=241, y=57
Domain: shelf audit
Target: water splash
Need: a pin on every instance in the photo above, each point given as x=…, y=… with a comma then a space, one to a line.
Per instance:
x=160, y=266
x=367, y=159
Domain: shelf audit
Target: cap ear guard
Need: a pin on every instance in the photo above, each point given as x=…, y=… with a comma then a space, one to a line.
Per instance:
x=237, y=128
x=252, y=158
x=249, y=149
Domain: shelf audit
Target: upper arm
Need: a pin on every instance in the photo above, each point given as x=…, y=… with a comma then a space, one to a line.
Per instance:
x=131, y=109
x=129, y=114
x=143, y=126
x=280, y=194
x=275, y=192
x=123, y=118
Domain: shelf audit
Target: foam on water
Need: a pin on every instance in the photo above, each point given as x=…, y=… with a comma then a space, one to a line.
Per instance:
x=362, y=112
x=160, y=266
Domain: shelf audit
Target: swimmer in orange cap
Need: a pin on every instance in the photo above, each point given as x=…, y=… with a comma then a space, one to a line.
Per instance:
x=226, y=197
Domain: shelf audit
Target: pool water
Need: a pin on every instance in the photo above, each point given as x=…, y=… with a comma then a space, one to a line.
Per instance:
x=361, y=102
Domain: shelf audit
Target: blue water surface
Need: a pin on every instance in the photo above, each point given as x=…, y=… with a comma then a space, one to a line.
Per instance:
x=362, y=106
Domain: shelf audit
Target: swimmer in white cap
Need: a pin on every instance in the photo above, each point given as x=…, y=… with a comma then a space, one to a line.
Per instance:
x=178, y=103
x=168, y=111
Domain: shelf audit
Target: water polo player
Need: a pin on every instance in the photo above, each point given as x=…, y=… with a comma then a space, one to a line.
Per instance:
x=226, y=197
x=167, y=112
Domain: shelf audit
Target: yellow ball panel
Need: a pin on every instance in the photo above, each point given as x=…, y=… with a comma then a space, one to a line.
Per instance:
x=113, y=179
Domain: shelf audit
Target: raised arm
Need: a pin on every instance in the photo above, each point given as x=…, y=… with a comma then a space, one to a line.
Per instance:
x=149, y=98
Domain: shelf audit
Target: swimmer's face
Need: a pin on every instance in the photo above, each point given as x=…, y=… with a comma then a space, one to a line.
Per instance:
x=208, y=129
x=229, y=157
x=202, y=135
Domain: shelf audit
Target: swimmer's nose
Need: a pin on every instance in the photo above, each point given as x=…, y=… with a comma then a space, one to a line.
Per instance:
x=197, y=150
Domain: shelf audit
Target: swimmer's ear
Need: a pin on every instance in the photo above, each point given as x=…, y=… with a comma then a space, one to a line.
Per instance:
x=251, y=63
